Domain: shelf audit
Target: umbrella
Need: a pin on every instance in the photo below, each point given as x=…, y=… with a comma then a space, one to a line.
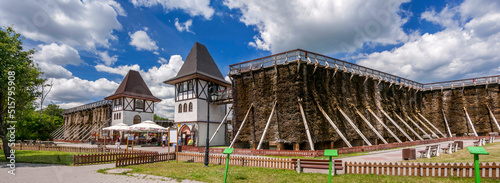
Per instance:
x=118, y=127
x=147, y=126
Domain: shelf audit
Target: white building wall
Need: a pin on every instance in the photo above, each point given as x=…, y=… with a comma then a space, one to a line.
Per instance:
x=186, y=116
x=128, y=116
x=202, y=134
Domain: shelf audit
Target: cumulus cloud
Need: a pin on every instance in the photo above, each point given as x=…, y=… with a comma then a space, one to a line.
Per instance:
x=54, y=71
x=142, y=41
x=85, y=24
x=154, y=78
x=181, y=27
x=192, y=7
x=108, y=60
x=462, y=50
x=57, y=54
x=322, y=26
x=75, y=91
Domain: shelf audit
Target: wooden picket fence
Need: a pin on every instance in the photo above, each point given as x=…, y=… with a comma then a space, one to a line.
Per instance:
x=71, y=149
x=238, y=160
x=87, y=159
x=144, y=159
x=487, y=170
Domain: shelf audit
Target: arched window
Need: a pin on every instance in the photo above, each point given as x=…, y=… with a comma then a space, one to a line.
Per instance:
x=185, y=107
x=180, y=108
x=137, y=119
x=190, y=107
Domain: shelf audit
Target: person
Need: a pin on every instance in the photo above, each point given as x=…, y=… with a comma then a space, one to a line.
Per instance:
x=118, y=143
x=164, y=140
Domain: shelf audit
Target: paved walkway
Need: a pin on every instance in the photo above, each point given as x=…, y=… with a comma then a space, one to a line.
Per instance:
x=40, y=173
x=137, y=147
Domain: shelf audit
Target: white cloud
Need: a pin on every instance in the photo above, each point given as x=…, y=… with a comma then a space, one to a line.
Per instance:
x=469, y=49
x=322, y=26
x=154, y=78
x=108, y=60
x=192, y=7
x=85, y=24
x=156, y=53
x=142, y=41
x=54, y=71
x=75, y=91
x=181, y=27
x=57, y=54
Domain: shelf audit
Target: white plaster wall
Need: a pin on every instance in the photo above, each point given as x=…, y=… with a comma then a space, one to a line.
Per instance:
x=202, y=134
x=217, y=112
x=128, y=116
x=186, y=116
x=113, y=121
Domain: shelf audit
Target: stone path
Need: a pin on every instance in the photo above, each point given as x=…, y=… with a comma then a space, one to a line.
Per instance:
x=39, y=173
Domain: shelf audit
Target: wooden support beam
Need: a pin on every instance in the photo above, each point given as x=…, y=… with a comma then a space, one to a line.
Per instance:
x=493, y=117
x=354, y=126
x=382, y=123
x=423, y=124
x=241, y=126
x=408, y=126
x=311, y=144
x=418, y=126
x=371, y=127
x=267, y=126
x=333, y=125
x=442, y=134
x=470, y=122
x=220, y=125
x=446, y=123
x=396, y=125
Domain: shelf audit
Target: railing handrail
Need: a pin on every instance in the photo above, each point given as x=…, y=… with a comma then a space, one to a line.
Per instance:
x=87, y=106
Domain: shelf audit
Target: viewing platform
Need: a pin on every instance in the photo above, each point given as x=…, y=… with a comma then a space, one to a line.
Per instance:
x=88, y=106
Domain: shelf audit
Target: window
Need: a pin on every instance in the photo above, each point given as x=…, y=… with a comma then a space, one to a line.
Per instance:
x=118, y=101
x=137, y=119
x=180, y=108
x=139, y=104
x=190, y=107
x=185, y=107
x=119, y=115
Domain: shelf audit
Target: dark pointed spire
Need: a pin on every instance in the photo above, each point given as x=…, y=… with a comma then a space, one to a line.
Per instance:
x=133, y=86
x=199, y=62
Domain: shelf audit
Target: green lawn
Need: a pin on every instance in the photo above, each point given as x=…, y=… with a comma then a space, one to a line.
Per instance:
x=463, y=156
x=43, y=157
x=215, y=173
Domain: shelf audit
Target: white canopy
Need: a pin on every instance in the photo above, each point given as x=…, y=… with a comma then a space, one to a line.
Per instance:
x=118, y=127
x=147, y=126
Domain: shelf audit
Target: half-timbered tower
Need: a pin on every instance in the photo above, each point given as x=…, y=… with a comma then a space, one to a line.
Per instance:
x=132, y=102
x=198, y=78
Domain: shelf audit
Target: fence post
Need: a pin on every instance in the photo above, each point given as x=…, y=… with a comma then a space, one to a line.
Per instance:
x=152, y=158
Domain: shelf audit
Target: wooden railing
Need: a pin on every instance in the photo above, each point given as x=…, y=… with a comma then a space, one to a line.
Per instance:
x=237, y=160
x=323, y=61
x=144, y=159
x=87, y=159
x=462, y=83
x=487, y=170
x=345, y=150
x=88, y=106
x=71, y=149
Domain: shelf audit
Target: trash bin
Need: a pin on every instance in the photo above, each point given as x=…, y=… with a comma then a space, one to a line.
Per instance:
x=409, y=154
x=92, y=141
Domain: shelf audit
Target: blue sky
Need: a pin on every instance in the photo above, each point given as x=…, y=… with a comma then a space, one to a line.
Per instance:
x=86, y=47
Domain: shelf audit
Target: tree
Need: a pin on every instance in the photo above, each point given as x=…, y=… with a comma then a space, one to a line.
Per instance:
x=17, y=64
x=43, y=95
x=156, y=117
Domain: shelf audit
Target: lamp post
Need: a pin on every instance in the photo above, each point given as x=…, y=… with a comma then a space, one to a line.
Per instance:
x=208, y=124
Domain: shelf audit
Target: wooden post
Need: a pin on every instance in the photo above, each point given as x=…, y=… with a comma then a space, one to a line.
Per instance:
x=267, y=126
x=446, y=123
x=493, y=117
x=444, y=136
x=296, y=146
x=395, y=124
x=382, y=123
x=369, y=125
x=241, y=126
x=408, y=126
x=126, y=150
x=280, y=146
x=311, y=145
x=414, y=123
x=354, y=126
x=423, y=124
x=470, y=122
x=334, y=126
x=221, y=123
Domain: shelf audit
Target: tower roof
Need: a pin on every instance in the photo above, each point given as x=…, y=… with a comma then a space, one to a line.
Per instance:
x=199, y=64
x=133, y=86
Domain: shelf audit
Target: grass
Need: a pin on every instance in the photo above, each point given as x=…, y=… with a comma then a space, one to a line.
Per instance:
x=42, y=157
x=215, y=173
x=463, y=156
